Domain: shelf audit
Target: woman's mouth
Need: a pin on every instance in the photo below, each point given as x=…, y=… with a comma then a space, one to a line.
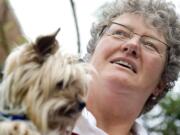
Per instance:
x=126, y=64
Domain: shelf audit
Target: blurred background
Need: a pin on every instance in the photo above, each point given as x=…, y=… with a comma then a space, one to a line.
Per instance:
x=23, y=21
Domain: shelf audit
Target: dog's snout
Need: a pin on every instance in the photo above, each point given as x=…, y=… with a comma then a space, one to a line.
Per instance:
x=81, y=105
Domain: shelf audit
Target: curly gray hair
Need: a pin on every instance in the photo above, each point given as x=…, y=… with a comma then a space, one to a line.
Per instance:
x=163, y=17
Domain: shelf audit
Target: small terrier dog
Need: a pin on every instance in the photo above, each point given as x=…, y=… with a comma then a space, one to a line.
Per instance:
x=44, y=87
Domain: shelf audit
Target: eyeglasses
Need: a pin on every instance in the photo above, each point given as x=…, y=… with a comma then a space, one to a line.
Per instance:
x=148, y=43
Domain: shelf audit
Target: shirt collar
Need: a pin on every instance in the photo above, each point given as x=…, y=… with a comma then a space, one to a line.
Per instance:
x=86, y=124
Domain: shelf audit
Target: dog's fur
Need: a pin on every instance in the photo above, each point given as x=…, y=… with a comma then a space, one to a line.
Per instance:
x=45, y=85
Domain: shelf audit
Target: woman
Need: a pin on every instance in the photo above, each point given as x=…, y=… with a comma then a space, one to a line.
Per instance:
x=135, y=49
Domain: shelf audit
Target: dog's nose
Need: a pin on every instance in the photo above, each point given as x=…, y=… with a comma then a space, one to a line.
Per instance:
x=81, y=105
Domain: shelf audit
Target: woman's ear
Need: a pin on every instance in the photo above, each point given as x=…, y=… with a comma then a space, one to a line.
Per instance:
x=159, y=89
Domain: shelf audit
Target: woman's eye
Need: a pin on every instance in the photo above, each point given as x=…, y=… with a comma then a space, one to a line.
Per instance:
x=121, y=34
x=149, y=45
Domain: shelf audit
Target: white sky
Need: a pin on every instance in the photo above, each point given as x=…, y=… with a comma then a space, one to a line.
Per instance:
x=39, y=17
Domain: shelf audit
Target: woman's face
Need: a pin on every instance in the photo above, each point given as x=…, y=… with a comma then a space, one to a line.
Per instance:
x=127, y=67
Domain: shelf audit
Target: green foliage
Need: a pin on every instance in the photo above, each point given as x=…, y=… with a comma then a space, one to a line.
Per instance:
x=165, y=118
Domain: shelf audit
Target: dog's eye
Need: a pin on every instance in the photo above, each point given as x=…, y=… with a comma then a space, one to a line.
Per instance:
x=59, y=85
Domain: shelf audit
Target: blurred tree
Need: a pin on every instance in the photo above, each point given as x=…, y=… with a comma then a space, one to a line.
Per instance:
x=10, y=30
x=165, y=120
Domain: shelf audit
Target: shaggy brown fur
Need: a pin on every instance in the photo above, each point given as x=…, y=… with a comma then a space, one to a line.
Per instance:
x=45, y=85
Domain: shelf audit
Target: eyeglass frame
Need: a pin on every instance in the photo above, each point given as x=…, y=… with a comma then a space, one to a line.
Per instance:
x=104, y=30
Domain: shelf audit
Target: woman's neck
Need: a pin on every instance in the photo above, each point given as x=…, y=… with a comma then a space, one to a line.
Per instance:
x=114, y=117
x=113, y=126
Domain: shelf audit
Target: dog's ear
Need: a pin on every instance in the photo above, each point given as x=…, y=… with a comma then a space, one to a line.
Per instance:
x=46, y=45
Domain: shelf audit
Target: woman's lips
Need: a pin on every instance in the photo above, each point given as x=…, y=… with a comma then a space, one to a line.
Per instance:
x=125, y=63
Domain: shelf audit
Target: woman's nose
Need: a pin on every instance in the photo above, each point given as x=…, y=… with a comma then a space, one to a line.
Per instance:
x=132, y=47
